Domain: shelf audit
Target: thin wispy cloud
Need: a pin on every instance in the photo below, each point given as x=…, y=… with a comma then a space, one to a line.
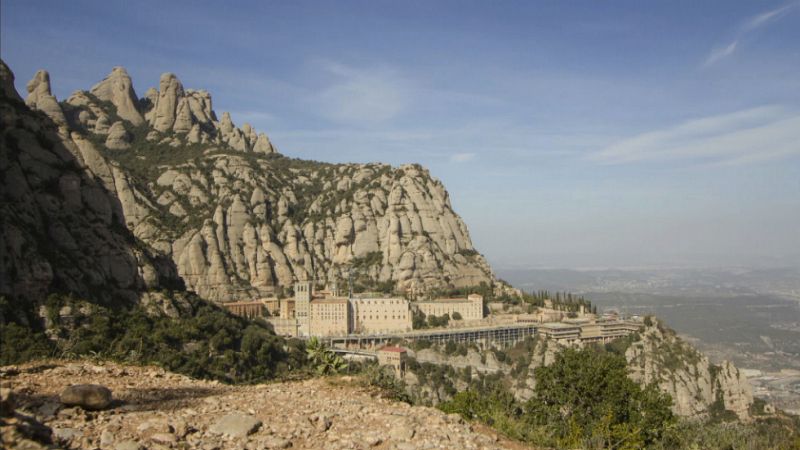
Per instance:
x=720, y=53
x=750, y=25
x=747, y=136
x=769, y=16
x=363, y=95
x=462, y=157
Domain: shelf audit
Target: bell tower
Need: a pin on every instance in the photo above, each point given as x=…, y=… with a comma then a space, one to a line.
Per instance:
x=302, y=305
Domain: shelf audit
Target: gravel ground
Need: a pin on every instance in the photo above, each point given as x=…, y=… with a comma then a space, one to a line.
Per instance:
x=155, y=409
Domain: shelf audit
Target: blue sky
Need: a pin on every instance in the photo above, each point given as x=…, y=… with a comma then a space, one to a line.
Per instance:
x=569, y=134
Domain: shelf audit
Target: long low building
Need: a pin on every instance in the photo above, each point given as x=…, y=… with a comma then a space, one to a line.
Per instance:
x=470, y=308
x=379, y=315
x=325, y=313
x=588, y=330
x=251, y=309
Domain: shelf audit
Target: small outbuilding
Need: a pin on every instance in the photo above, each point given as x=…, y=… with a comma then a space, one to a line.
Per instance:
x=395, y=357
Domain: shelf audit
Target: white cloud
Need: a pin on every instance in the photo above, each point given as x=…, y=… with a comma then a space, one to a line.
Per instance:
x=759, y=20
x=462, y=157
x=720, y=53
x=363, y=96
x=766, y=17
x=741, y=137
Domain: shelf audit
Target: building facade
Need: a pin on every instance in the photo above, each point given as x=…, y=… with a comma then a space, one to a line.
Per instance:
x=249, y=310
x=394, y=357
x=329, y=317
x=379, y=315
x=302, y=305
x=470, y=308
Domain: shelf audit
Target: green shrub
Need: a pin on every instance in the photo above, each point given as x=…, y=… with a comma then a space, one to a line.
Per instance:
x=209, y=342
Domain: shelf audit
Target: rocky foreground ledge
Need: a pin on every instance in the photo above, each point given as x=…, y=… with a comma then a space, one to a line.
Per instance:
x=155, y=409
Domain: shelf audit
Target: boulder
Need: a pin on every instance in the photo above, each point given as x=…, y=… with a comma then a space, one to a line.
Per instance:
x=87, y=396
x=127, y=445
x=7, y=402
x=236, y=425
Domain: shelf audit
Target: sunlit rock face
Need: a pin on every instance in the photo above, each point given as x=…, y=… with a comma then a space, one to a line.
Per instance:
x=235, y=218
x=691, y=380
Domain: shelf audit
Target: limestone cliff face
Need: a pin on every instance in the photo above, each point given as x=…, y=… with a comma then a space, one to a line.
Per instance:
x=696, y=386
x=237, y=219
x=256, y=225
x=61, y=227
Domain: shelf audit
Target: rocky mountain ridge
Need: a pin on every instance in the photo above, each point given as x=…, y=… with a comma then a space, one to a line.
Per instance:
x=234, y=218
x=61, y=225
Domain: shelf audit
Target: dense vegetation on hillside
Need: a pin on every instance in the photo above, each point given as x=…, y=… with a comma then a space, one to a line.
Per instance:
x=202, y=341
x=586, y=400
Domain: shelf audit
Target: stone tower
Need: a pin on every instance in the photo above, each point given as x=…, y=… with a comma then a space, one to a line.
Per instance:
x=334, y=288
x=302, y=306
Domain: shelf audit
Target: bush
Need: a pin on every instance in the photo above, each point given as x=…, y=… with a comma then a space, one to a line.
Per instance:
x=383, y=378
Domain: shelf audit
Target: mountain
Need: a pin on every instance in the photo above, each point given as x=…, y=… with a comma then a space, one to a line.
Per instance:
x=62, y=227
x=200, y=201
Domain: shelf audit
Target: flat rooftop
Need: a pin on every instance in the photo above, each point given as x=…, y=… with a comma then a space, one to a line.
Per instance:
x=334, y=300
x=559, y=325
x=446, y=300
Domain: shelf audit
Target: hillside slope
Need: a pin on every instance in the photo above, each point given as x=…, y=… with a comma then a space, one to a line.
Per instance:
x=158, y=409
x=62, y=226
x=239, y=220
x=698, y=388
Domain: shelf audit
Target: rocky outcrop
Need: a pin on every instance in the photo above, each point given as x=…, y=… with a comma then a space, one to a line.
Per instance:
x=240, y=226
x=519, y=373
x=62, y=227
x=159, y=409
x=263, y=145
x=118, y=137
x=695, y=385
x=7, y=89
x=170, y=90
x=117, y=88
x=40, y=97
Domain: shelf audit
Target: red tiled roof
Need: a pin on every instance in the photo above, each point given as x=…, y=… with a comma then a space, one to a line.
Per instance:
x=393, y=349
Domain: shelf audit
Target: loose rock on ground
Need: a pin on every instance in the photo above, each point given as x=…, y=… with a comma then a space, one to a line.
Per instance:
x=156, y=409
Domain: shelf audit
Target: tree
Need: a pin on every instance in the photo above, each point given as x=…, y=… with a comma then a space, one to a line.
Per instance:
x=588, y=400
x=418, y=320
x=457, y=316
x=435, y=322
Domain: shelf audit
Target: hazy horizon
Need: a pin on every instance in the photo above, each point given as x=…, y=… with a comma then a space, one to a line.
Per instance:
x=657, y=135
